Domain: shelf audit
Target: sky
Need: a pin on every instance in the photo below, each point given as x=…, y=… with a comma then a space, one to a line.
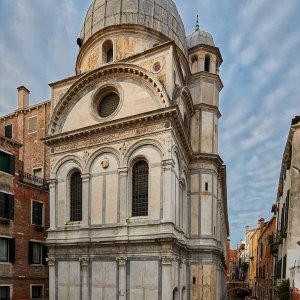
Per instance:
x=260, y=44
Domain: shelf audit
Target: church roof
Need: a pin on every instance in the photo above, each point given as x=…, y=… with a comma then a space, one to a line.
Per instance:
x=159, y=15
x=199, y=37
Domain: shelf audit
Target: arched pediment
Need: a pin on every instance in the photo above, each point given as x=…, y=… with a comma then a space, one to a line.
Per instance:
x=105, y=73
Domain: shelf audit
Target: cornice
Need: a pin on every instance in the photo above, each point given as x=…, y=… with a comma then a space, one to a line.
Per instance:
x=25, y=110
x=111, y=126
x=208, y=107
x=93, y=76
x=206, y=75
x=65, y=80
x=11, y=141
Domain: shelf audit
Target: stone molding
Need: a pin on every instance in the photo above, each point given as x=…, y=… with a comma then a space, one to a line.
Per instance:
x=112, y=126
x=122, y=260
x=104, y=72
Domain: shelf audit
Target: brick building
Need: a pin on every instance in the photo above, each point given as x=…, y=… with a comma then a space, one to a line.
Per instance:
x=24, y=219
x=27, y=125
x=265, y=261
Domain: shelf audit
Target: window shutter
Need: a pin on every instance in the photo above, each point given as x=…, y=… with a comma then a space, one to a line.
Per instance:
x=8, y=131
x=44, y=255
x=30, y=252
x=12, y=165
x=11, y=207
x=40, y=213
x=2, y=205
x=12, y=247
x=35, y=213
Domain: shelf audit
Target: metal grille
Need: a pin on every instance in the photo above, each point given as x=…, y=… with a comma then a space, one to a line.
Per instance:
x=76, y=197
x=108, y=105
x=140, y=189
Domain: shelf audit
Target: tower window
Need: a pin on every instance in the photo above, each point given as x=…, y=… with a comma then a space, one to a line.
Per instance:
x=207, y=63
x=76, y=197
x=140, y=189
x=206, y=186
x=107, y=52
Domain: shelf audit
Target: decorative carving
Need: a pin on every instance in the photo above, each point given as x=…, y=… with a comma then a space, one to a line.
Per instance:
x=50, y=261
x=124, y=148
x=105, y=162
x=84, y=261
x=122, y=260
x=167, y=259
x=85, y=156
x=169, y=143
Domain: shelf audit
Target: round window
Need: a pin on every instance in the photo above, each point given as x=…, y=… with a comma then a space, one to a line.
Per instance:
x=108, y=105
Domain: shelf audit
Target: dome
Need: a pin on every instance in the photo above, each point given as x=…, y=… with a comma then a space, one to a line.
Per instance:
x=159, y=15
x=199, y=37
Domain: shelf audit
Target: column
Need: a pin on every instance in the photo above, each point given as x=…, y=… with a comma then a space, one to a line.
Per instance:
x=52, y=279
x=85, y=199
x=123, y=207
x=167, y=261
x=84, y=277
x=168, y=165
x=52, y=203
x=122, y=277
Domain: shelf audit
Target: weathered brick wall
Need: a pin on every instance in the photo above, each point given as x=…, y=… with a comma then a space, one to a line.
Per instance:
x=21, y=274
x=34, y=153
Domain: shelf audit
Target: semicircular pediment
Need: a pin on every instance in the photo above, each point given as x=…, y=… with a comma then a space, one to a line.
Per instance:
x=138, y=82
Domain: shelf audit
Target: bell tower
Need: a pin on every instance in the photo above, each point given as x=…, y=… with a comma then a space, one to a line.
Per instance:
x=205, y=86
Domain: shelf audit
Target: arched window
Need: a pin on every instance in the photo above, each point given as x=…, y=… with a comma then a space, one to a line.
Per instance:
x=175, y=294
x=194, y=64
x=207, y=63
x=76, y=197
x=140, y=175
x=107, y=52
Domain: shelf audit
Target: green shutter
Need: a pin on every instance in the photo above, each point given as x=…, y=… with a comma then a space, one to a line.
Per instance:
x=30, y=252
x=11, y=207
x=12, y=166
x=44, y=255
x=2, y=205
x=12, y=247
x=5, y=162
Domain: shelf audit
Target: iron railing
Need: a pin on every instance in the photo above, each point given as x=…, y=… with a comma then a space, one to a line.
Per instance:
x=33, y=180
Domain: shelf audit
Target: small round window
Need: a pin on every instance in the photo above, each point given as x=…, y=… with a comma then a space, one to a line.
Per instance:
x=108, y=105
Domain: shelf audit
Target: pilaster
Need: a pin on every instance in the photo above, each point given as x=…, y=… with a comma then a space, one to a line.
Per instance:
x=122, y=261
x=84, y=277
x=123, y=205
x=168, y=166
x=85, y=199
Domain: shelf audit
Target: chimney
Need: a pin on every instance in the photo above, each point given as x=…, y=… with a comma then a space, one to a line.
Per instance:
x=23, y=97
x=261, y=223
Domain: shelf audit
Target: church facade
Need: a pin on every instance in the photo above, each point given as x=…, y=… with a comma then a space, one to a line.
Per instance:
x=138, y=206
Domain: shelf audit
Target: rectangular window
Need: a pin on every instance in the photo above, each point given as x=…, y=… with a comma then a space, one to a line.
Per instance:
x=4, y=292
x=8, y=131
x=7, y=163
x=37, y=292
x=37, y=213
x=32, y=124
x=206, y=186
x=36, y=253
x=7, y=249
x=6, y=206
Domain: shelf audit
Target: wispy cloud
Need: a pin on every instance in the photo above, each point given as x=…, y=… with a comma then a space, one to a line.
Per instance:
x=259, y=41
